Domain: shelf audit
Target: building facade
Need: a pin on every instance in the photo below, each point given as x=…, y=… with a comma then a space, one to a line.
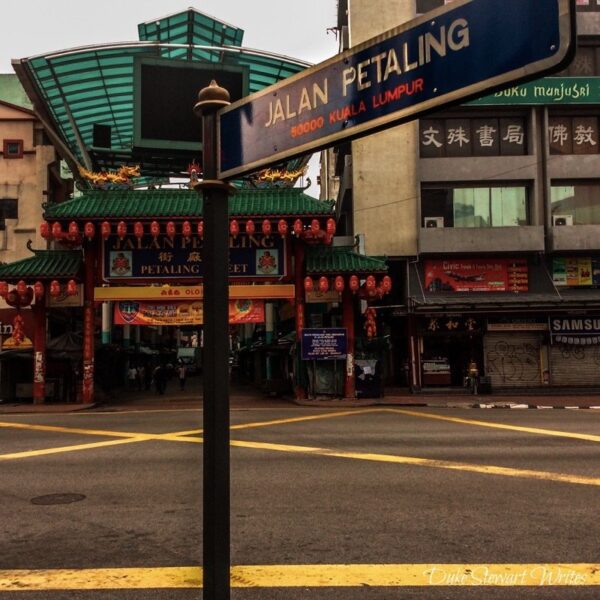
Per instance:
x=492, y=222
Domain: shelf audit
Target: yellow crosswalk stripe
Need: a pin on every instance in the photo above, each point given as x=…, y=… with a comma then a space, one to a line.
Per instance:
x=327, y=575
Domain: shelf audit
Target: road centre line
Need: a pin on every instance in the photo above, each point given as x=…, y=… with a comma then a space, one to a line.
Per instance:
x=329, y=575
x=535, y=430
x=423, y=462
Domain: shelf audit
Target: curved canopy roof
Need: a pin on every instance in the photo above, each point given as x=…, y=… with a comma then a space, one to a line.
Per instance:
x=73, y=90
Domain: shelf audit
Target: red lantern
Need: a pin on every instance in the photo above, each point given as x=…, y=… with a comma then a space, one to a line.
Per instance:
x=308, y=284
x=45, y=230
x=71, y=288
x=21, y=288
x=331, y=227
x=200, y=229
x=315, y=225
x=54, y=288
x=155, y=228
x=38, y=290
x=234, y=228
x=73, y=230
x=298, y=227
x=282, y=227
x=186, y=229
x=370, y=283
x=3, y=289
x=138, y=230
x=323, y=284
x=121, y=229
x=338, y=284
x=105, y=230
x=56, y=230
x=386, y=284
x=354, y=283
x=250, y=228
x=89, y=231
x=170, y=229
x=266, y=227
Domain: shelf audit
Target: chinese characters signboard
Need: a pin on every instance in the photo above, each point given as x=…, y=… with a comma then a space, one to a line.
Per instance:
x=324, y=344
x=184, y=313
x=450, y=54
x=472, y=137
x=573, y=135
x=180, y=258
x=477, y=275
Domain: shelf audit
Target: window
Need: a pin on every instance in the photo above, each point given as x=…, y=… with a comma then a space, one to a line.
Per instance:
x=13, y=149
x=577, y=200
x=9, y=209
x=475, y=207
x=588, y=5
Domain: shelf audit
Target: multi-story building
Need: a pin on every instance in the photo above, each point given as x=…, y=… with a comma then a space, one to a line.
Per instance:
x=489, y=213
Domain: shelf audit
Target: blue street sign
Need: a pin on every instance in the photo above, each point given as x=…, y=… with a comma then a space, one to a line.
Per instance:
x=460, y=51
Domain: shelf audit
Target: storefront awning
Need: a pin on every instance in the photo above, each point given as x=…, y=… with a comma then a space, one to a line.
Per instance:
x=173, y=204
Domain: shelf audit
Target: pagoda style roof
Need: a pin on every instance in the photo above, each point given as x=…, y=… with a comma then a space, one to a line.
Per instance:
x=44, y=264
x=327, y=260
x=179, y=204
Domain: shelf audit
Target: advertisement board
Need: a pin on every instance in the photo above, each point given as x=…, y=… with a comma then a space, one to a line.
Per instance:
x=477, y=275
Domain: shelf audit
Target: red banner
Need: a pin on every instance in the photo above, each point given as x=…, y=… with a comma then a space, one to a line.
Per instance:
x=184, y=313
x=477, y=275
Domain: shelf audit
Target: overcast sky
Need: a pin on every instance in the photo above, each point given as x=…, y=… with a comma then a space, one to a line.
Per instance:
x=294, y=29
x=30, y=27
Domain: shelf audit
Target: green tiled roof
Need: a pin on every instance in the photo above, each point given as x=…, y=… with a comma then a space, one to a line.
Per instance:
x=341, y=259
x=44, y=264
x=186, y=203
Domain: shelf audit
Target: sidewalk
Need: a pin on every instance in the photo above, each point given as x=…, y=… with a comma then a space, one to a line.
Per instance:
x=249, y=398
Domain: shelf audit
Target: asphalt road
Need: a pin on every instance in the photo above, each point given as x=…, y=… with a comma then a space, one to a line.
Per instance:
x=390, y=488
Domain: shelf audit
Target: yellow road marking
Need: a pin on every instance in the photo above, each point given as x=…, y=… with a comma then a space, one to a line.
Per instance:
x=329, y=415
x=48, y=451
x=330, y=575
x=423, y=462
x=57, y=429
x=535, y=430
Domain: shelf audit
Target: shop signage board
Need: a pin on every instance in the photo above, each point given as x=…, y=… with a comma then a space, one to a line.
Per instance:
x=477, y=275
x=549, y=90
x=451, y=54
x=328, y=343
x=582, y=271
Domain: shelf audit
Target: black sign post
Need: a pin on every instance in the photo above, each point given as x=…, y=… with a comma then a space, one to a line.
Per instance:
x=216, y=516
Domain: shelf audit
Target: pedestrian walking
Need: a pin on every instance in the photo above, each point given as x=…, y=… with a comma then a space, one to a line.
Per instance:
x=182, y=372
x=132, y=378
x=141, y=377
x=160, y=379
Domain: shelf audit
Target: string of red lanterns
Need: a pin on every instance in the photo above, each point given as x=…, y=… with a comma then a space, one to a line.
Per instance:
x=23, y=294
x=371, y=289
x=312, y=233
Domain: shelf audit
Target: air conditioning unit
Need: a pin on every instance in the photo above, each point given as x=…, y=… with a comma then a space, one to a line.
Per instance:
x=434, y=222
x=562, y=220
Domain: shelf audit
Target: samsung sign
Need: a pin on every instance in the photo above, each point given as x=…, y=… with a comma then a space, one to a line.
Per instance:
x=578, y=326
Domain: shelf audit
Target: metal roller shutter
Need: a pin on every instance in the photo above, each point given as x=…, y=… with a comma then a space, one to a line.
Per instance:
x=574, y=365
x=512, y=360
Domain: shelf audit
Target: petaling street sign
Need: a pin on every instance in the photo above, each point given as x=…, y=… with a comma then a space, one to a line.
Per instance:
x=130, y=259
x=454, y=53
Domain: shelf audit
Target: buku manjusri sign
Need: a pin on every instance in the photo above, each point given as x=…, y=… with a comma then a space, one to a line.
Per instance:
x=463, y=50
